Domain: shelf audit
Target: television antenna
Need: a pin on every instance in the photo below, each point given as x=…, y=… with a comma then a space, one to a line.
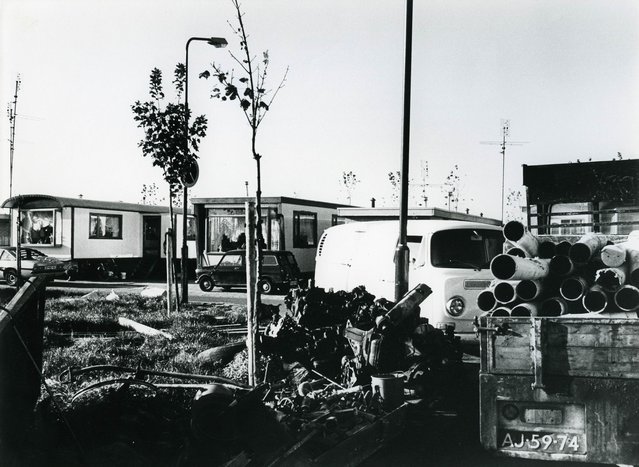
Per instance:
x=423, y=182
x=505, y=132
x=12, y=112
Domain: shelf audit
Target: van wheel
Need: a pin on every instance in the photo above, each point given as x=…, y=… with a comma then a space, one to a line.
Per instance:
x=11, y=277
x=206, y=283
x=266, y=287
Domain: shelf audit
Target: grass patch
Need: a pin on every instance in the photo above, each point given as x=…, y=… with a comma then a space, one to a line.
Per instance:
x=193, y=329
x=116, y=424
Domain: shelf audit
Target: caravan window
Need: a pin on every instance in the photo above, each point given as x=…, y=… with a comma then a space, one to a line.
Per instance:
x=105, y=226
x=226, y=229
x=465, y=248
x=38, y=227
x=304, y=229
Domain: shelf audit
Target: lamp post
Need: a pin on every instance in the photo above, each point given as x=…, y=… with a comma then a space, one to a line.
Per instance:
x=217, y=42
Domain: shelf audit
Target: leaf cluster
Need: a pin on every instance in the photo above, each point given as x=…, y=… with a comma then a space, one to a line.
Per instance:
x=249, y=90
x=164, y=129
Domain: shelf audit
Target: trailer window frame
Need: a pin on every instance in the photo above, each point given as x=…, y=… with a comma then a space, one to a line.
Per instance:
x=96, y=235
x=304, y=233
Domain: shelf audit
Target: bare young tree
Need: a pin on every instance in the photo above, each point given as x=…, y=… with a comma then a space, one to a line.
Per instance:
x=349, y=181
x=395, y=179
x=514, y=202
x=151, y=195
x=452, y=188
x=249, y=89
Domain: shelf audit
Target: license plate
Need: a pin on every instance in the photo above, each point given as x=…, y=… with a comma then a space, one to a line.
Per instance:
x=569, y=443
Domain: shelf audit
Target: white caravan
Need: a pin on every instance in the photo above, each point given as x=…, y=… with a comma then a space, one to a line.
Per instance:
x=452, y=257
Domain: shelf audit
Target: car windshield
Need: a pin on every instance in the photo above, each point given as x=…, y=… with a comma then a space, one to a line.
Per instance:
x=465, y=248
x=28, y=253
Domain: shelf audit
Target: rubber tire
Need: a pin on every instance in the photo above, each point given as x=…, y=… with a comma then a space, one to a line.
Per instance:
x=206, y=283
x=11, y=277
x=266, y=287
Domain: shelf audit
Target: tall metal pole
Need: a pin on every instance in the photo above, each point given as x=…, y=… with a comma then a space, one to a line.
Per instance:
x=185, y=196
x=402, y=253
x=215, y=42
x=503, y=167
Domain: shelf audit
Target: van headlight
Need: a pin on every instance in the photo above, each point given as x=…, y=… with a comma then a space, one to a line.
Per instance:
x=455, y=306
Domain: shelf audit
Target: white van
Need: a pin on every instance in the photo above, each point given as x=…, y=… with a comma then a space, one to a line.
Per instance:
x=452, y=257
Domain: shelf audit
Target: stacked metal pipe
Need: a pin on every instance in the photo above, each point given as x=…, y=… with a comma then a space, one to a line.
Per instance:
x=538, y=277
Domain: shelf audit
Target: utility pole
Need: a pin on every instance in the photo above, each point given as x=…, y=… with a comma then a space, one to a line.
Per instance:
x=12, y=112
x=505, y=132
x=402, y=253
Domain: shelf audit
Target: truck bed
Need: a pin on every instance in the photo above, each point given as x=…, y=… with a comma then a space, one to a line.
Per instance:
x=571, y=383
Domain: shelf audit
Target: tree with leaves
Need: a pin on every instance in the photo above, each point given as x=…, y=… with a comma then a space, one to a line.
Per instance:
x=164, y=132
x=163, y=124
x=251, y=93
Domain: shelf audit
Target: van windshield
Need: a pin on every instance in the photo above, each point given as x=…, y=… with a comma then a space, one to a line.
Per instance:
x=465, y=248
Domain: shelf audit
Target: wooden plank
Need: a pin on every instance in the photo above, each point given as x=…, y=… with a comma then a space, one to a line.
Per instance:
x=591, y=340
x=31, y=287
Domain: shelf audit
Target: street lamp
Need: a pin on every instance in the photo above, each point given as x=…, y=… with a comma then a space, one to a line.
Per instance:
x=217, y=42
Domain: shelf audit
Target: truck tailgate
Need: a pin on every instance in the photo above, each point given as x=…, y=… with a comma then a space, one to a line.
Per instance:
x=560, y=388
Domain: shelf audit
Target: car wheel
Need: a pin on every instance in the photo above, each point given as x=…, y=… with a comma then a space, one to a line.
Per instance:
x=266, y=287
x=206, y=283
x=11, y=277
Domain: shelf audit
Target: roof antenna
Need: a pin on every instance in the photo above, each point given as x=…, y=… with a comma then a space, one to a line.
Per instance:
x=12, y=112
x=505, y=132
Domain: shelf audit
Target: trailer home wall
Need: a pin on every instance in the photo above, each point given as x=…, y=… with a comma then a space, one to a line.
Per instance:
x=125, y=237
x=291, y=224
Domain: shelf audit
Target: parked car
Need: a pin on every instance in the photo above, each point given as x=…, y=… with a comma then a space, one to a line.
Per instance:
x=279, y=271
x=31, y=262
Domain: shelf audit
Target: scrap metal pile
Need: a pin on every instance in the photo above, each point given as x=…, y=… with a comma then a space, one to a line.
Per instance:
x=539, y=277
x=346, y=337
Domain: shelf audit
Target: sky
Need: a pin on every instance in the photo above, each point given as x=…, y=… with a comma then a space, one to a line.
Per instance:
x=564, y=73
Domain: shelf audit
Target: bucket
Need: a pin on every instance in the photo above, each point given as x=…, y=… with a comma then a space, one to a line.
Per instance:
x=390, y=388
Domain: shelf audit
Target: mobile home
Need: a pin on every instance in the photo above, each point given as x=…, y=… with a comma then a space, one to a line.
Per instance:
x=100, y=236
x=291, y=224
